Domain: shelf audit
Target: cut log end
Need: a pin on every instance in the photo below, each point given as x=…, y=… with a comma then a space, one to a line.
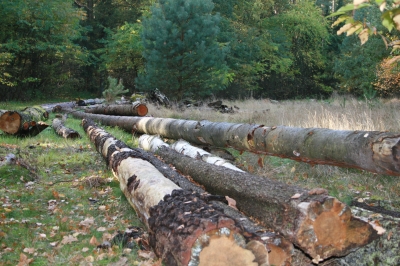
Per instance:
x=330, y=230
x=10, y=122
x=224, y=248
x=142, y=110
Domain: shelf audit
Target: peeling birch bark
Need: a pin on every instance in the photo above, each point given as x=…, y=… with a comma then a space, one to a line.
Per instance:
x=181, y=223
x=153, y=143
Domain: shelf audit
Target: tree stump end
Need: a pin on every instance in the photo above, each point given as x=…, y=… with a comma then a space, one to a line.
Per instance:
x=329, y=229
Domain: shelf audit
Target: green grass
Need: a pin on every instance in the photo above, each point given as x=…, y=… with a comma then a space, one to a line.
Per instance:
x=61, y=171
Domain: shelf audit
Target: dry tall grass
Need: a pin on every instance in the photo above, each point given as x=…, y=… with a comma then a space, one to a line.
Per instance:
x=338, y=112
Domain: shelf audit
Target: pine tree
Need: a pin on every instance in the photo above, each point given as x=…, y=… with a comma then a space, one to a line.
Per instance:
x=182, y=55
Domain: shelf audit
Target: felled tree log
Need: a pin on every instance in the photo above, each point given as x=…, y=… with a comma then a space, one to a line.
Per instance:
x=318, y=224
x=25, y=122
x=152, y=143
x=63, y=131
x=281, y=250
x=134, y=109
x=377, y=152
x=184, y=228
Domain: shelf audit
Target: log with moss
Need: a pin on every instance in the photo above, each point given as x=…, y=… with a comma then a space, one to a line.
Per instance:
x=184, y=228
x=134, y=109
x=373, y=151
x=27, y=122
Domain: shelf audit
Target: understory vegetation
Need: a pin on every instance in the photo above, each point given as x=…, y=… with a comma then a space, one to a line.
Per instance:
x=61, y=201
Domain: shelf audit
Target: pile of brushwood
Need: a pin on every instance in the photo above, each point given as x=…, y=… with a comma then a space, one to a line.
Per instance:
x=197, y=206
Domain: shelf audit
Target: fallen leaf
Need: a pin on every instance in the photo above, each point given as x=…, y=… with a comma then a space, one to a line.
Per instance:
x=296, y=196
x=87, y=222
x=101, y=229
x=390, y=235
x=122, y=262
x=317, y=191
x=85, y=249
x=102, y=208
x=93, y=241
x=54, y=244
x=260, y=162
x=231, y=202
x=69, y=239
x=29, y=250
x=23, y=260
x=146, y=254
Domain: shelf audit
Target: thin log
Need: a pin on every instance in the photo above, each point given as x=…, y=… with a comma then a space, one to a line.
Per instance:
x=182, y=224
x=23, y=122
x=134, y=109
x=374, y=151
x=320, y=225
x=63, y=131
x=152, y=143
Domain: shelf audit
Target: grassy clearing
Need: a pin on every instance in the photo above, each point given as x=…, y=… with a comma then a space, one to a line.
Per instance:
x=43, y=209
x=44, y=218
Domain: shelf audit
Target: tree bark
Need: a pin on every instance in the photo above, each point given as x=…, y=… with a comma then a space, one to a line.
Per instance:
x=377, y=152
x=319, y=224
x=63, y=131
x=281, y=250
x=182, y=224
x=25, y=122
x=134, y=109
x=152, y=143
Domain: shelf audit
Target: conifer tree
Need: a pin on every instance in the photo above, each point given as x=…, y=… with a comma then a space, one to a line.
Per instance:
x=182, y=55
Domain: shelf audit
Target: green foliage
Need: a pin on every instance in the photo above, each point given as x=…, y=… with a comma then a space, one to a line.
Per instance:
x=114, y=90
x=122, y=55
x=182, y=55
x=38, y=39
x=302, y=37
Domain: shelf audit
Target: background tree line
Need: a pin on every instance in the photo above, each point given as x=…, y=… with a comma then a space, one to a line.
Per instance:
x=191, y=48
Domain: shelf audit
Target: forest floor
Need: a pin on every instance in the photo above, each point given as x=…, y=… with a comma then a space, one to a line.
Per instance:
x=61, y=205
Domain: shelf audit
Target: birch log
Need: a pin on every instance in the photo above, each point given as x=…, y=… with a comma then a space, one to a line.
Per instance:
x=318, y=224
x=184, y=228
x=63, y=131
x=152, y=143
x=374, y=151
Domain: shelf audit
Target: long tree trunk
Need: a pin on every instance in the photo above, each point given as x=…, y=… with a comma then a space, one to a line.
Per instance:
x=134, y=109
x=319, y=224
x=25, y=122
x=377, y=152
x=184, y=228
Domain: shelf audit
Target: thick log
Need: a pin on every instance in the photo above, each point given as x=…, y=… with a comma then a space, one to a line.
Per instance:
x=319, y=224
x=182, y=224
x=374, y=151
x=63, y=131
x=134, y=109
x=152, y=143
x=25, y=122
x=281, y=250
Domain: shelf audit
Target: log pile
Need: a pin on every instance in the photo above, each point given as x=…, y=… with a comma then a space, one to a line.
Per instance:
x=373, y=151
x=184, y=228
x=319, y=224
